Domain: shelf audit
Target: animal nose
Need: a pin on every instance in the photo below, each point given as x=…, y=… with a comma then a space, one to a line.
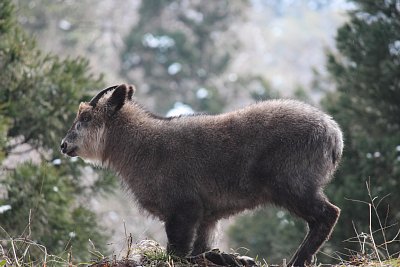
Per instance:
x=64, y=146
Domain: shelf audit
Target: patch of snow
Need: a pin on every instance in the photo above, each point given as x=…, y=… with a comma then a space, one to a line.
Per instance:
x=201, y=72
x=56, y=162
x=394, y=48
x=4, y=208
x=64, y=25
x=154, y=41
x=232, y=77
x=194, y=15
x=202, y=93
x=180, y=109
x=113, y=216
x=280, y=214
x=174, y=68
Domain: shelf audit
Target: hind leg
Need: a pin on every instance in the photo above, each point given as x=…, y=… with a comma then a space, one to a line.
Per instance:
x=204, y=237
x=321, y=217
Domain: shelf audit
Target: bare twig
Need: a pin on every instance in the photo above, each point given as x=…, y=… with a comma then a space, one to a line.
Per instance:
x=357, y=235
x=371, y=234
x=15, y=254
x=29, y=224
x=387, y=214
x=96, y=251
x=377, y=216
x=129, y=243
x=126, y=235
x=356, y=200
x=379, y=202
x=4, y=230
x=26, y=249
x=70, y=257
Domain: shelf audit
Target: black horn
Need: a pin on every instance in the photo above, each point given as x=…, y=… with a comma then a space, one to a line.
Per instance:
x=96, y=99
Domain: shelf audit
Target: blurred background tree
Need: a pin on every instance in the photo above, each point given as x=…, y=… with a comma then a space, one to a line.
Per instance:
x=365, y=71
x=42, y=200
x=173, y=49
x=268, y=233
x=366, y=74
x=214, y=57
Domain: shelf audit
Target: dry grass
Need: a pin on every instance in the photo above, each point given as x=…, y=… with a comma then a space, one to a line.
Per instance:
x=17, y=251
x=370, y=252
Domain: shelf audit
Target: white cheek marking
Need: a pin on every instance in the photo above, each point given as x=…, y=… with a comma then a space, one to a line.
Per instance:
x=94, y=145
x=93, y=162
x=100, y=140
x=98, y=162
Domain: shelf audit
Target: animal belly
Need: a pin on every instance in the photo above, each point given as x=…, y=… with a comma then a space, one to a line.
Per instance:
x=229, y=204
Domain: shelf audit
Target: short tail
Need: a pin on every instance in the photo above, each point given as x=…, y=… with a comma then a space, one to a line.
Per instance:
x=337, y=146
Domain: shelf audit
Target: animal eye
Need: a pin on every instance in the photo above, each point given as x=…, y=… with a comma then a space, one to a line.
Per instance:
x=85, y=118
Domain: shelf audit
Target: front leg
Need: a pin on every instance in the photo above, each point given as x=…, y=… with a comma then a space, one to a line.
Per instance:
x=181, y=228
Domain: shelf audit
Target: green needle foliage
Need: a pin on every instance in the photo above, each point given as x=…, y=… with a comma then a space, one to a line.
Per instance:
x=269, y=234
x=366, y=73
x=39, y=94
x=41, y=196
x=177, y=52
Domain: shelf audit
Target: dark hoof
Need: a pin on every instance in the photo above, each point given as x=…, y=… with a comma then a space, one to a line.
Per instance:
x=223, y=259
x=247, y=261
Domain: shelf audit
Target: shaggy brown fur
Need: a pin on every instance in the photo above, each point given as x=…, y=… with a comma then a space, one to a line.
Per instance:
x=191, y=171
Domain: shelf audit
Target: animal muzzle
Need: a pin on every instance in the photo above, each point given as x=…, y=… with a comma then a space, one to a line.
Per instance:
x=68, y=148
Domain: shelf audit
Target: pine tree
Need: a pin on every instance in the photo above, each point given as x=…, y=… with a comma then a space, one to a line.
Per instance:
x=176, y=50
x=38, y=98
x=366, y=73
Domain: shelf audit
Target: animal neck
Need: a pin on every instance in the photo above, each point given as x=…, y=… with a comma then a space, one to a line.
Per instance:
x=130, y=138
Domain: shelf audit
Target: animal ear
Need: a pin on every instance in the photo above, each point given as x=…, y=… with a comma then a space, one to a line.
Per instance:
x=117, y=99
x=131, y=91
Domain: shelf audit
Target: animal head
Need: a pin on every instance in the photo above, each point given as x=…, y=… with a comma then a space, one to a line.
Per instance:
x=86, y=137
